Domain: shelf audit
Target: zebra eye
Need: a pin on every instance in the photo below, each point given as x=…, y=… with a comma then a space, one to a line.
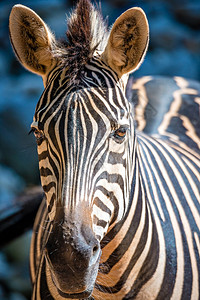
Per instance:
x=38, y=134
x=120, y=133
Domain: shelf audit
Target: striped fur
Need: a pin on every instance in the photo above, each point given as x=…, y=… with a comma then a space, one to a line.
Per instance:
x=126, y=167
x=151, y=248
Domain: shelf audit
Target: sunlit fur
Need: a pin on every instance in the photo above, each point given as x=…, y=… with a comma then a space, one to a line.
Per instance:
x=127, y=169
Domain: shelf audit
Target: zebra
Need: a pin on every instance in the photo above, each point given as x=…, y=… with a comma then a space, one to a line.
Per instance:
x=120, y=170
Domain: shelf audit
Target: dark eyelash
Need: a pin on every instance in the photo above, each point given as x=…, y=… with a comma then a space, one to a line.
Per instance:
x=31, y=131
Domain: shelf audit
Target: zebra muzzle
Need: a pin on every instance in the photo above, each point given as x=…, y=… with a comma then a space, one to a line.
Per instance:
x=72, y=255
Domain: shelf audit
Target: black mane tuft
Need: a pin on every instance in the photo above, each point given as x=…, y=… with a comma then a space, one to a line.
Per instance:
x=86, y=32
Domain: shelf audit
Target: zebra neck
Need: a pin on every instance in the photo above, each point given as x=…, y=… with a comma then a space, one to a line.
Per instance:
x=130, y=249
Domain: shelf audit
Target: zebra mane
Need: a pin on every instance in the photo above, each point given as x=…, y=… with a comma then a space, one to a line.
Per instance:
x=87, y=32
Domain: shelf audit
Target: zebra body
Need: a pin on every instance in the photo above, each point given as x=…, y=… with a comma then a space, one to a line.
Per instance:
x=121, y=216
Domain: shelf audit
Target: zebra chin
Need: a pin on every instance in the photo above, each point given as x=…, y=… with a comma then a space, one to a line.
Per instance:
x=72, y=285
x=76, y=291
x=84, y=295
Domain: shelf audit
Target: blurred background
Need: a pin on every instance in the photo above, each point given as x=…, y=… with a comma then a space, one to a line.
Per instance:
x=174, y=51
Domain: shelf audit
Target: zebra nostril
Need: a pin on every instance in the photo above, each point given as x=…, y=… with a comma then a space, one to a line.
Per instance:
x=95, y=250
x=95, y=253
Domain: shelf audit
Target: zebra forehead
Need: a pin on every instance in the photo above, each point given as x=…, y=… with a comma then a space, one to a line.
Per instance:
x=109, y=103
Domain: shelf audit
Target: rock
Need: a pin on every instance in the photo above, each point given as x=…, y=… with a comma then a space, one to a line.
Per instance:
x=11, y=184
x=19, y=96
x=189, y=14
x=17, y=296
x=168, y=35
x=16, y=275
x=162, y=62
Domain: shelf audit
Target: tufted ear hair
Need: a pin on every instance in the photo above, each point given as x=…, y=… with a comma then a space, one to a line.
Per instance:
x=128, y=42
x=32, y=41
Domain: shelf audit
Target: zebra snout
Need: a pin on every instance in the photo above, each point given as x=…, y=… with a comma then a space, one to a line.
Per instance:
x=72, y=254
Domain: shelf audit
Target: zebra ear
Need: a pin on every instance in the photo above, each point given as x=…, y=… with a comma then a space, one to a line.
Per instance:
x=31, y=39
x=128, y=42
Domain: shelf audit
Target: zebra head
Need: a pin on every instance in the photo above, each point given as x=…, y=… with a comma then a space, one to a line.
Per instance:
x=84, y=129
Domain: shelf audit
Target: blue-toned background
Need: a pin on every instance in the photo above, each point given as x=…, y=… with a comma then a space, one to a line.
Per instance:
x=174, y=50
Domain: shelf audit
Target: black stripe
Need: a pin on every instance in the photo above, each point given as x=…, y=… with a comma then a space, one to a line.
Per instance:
x=45, y=172
x=48, y=186
x=102, y=206
x=148, y=268
x=122, y=247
